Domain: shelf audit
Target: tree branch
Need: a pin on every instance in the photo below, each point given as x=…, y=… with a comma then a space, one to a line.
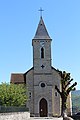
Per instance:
x=68, y=83
x=71, y=88
x=58, y=90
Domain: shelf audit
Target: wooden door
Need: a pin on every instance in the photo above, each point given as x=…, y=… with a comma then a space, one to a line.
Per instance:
x=43, y=108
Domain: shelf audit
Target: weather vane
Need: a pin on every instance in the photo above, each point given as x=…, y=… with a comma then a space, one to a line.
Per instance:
x=41, y=10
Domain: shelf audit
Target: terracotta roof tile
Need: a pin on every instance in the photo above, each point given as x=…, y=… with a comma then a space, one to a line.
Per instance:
x=17, y=78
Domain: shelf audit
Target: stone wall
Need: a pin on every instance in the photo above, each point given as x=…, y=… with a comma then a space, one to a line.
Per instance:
x=15, y=116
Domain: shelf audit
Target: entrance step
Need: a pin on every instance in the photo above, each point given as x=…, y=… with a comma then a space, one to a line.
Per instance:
x=45, y=118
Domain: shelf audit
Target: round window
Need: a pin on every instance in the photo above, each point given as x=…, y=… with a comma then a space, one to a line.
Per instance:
x=42, y=84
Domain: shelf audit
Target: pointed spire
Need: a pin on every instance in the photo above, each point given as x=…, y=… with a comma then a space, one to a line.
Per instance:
x=41, y=32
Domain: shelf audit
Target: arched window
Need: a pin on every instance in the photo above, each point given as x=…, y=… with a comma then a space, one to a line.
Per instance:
x=42, y=52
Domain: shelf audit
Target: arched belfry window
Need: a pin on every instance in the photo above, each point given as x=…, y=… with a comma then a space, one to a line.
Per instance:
x=42, y=52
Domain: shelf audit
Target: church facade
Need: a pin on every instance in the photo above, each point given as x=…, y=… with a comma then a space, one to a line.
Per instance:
x=41, y=79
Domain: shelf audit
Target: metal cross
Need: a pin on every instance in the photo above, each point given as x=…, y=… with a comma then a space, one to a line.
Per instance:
x=41, y=10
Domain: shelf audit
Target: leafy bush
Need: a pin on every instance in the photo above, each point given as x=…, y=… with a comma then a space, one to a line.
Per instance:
x=13, y=94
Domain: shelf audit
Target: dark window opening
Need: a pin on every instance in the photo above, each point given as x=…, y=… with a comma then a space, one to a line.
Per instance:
x=42, y=52
x=42, y=84
x=30, y=95
x=56, y=94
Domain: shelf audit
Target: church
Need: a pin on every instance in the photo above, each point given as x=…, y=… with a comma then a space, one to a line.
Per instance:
x=41, y=79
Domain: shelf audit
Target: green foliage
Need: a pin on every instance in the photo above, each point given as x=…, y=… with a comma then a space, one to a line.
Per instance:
x=75, y=101
x=13, y=94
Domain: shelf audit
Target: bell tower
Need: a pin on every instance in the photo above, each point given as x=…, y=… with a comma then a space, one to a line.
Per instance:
x=41, y=49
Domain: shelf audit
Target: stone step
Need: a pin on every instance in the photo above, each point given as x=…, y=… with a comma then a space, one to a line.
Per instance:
x=45, y=118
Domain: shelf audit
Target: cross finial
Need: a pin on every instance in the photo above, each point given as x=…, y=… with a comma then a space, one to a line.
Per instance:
x=41, y=10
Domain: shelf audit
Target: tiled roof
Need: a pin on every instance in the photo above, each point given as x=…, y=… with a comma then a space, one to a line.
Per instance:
x=17, y=78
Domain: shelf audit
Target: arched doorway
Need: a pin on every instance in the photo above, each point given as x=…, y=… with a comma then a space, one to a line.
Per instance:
x=43, y=108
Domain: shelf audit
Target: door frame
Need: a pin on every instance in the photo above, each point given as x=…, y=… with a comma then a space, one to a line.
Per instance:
x=43, y=108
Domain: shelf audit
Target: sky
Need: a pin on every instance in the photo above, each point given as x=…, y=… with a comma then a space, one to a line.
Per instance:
x=18, y=23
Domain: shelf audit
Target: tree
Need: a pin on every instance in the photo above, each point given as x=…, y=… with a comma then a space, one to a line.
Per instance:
x=66, y=88
x=13, y=94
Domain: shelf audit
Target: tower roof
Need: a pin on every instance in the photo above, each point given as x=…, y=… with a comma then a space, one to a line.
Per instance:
x=41, y=32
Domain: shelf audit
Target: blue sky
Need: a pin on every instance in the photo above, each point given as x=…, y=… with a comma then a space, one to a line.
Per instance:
x=18, y=23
